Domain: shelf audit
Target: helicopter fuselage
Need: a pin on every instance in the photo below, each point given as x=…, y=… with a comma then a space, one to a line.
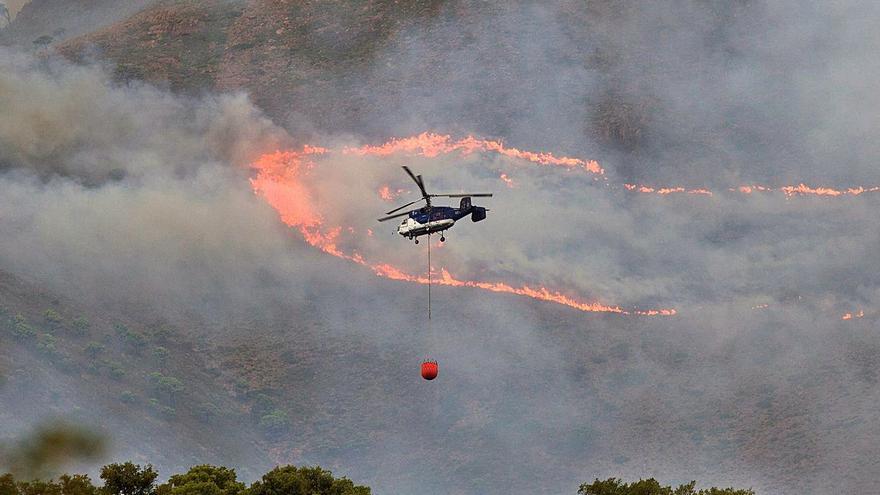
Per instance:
x=427, y=221
x=430, y=218
x=433, y=219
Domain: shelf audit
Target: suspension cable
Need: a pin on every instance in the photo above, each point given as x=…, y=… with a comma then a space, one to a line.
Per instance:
x=429, y=277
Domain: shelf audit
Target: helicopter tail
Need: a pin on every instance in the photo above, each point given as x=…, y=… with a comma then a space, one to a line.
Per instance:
x=477, y=212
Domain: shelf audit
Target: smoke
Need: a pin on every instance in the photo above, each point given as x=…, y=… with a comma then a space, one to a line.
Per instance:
x=122, y=190
x=131, y=196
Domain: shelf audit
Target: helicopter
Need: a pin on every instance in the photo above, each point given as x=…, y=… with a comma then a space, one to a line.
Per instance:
x=429, y=218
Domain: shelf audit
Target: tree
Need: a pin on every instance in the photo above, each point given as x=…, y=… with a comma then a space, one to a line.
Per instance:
x=203, y=480
x=290, y=480
x=4, y=13
x=128, y=479
x=614, y=486
x=37, y=487
x=78, y=484
x=8, y=486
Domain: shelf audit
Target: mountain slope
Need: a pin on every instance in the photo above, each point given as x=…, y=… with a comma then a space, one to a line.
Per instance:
x=64, y=19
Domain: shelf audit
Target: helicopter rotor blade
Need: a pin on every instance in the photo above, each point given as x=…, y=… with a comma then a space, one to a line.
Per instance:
x=462, y=195
x=393, y=216
x=418, y=180
x=404, y=206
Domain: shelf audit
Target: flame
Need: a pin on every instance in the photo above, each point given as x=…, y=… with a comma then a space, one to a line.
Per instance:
x=850, y=316
x=387, y=194
x=663, y=191
x=803, y=190
x=279, y=182
x=507, y=181
x=788, y=191
x=431, y=145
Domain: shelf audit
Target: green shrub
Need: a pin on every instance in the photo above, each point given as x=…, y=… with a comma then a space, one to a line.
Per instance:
x=46, y=344
x=161, y=354
x=275, y=423
x=166, y=385
x=94, y=349
x=80, y=325
x=114, y=369
x=162, y=409
x=133, y=341
x=54, y=319
x=21, y=329
x=127, y=397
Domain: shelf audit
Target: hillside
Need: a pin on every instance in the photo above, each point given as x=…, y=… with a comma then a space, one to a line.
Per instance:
x=65, y=19
x=603, y=87
x=533, y=398
x=60, y=359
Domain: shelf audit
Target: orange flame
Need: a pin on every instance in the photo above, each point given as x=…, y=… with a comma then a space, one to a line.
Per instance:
x=507, y=181
x=663, y=191
x=788, y=191
x=387, y=194
x=431, y=145
x=850, y=316
x=278, y=180
x=803, y=189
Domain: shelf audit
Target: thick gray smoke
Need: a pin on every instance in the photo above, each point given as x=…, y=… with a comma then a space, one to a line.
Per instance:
x=125, y=189
x=130, y=196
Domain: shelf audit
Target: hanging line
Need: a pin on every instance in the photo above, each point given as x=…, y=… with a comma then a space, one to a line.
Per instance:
x=429, y=277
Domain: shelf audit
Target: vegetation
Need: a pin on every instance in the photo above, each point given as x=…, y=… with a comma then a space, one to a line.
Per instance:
x=53, y=318
x=43, y=42
x=4, y=13
x=21, y=329
x=614, y=486
x=205, y=479
x=131, y=479
x=94, y=349
x=80, y=325
x=128, y=479
x=133, y=341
